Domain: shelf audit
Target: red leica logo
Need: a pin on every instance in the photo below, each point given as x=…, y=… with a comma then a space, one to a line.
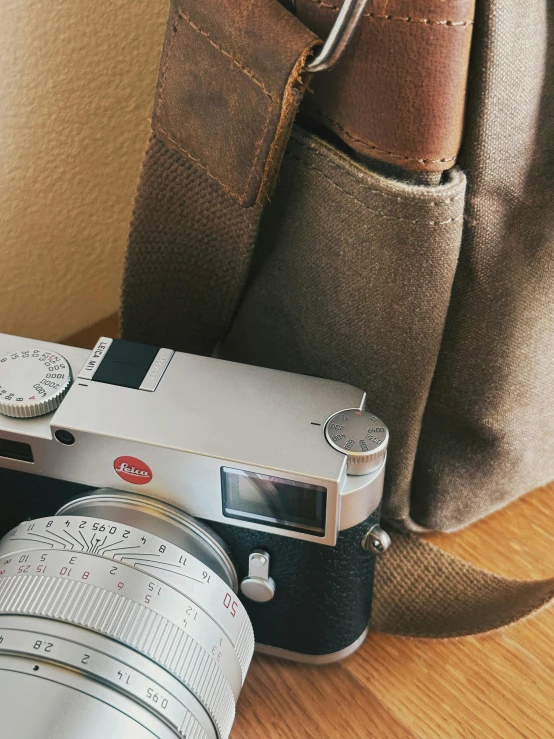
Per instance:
x=133, y=470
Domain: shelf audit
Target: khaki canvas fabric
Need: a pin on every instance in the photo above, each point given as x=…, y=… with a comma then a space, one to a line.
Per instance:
x=364, y=298
x=421, y=591
x=225, y=104
x=488, y=430
x=438, y=300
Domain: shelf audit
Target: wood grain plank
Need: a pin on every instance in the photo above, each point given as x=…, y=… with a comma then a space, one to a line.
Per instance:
x=283, y=700
x=488, y=686
x=515, y=542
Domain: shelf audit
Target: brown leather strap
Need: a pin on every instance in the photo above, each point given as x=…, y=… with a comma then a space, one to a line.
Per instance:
x=229, y=87
x=398, y=92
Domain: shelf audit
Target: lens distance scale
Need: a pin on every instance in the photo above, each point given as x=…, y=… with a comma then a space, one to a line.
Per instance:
x=82, y=591
x=33, y=382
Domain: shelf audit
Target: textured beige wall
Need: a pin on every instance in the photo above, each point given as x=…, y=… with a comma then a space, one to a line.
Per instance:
x=76, y=89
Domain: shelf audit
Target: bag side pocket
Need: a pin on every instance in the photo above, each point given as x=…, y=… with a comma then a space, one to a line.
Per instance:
x=351, y=280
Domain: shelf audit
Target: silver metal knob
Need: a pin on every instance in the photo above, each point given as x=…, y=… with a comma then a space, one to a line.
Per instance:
x=376, y=540
x=361, y=436
x=258, y=585
x=33, y=382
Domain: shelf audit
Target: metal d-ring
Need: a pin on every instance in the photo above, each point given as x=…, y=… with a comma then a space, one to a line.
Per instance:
x=347, y=21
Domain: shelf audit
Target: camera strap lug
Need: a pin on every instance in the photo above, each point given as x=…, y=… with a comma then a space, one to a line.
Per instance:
x=376, y=540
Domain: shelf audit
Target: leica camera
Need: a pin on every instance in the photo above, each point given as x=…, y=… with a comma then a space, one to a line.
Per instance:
x=162, y=515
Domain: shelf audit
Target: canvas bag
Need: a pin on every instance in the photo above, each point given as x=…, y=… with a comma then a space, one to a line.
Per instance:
x=362, y=244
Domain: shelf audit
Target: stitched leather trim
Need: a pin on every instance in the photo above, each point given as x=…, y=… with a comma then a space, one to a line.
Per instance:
x=398, y=93
x=229, y=86
x=405, y=19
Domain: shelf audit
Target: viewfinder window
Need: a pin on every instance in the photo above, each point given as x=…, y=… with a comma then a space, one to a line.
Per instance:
x=274, y=501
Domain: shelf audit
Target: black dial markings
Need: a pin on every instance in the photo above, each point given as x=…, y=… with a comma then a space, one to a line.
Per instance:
x=32, y=534
x=59, y=536
x=110, y=544
x=97, y=547
x=27, y=539
x=84, y=540
x=121, y=549
x=74, y=539
x=157, y=567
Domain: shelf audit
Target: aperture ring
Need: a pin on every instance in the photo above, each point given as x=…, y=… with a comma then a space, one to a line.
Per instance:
x=130, y=623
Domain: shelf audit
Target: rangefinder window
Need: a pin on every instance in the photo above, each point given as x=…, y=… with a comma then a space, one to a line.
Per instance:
x=274, y=501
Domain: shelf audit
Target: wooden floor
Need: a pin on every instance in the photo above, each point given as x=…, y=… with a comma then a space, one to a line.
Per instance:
x=495, y=685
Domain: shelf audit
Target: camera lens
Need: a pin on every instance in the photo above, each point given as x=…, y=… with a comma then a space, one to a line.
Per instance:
x=128, y=608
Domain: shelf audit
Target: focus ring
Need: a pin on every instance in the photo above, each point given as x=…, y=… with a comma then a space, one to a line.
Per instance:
x=130, y=623
x=245, y=646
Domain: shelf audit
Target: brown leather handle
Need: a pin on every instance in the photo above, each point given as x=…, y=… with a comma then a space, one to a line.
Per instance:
x=227, y=93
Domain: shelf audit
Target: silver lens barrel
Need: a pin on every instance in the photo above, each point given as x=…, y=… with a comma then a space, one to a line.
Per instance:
x=98, y=662
x=154, y=609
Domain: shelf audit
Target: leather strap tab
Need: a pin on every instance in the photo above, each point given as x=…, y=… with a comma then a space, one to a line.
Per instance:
x=228, y=93
x=398, y=93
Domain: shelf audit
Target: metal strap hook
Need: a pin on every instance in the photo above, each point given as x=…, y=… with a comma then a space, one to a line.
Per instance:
x=347, y=21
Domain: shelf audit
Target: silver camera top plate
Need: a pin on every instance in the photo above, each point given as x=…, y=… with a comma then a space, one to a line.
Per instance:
x=203, y=416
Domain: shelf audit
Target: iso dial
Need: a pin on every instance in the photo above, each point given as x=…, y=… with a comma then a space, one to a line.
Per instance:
x=361, y=436
x=33, y=382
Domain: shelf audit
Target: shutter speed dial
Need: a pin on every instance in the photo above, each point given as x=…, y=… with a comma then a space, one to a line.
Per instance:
x=361, y=436
x=33, y=382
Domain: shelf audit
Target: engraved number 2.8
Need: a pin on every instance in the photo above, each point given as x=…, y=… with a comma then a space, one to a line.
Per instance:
x=43, y=646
